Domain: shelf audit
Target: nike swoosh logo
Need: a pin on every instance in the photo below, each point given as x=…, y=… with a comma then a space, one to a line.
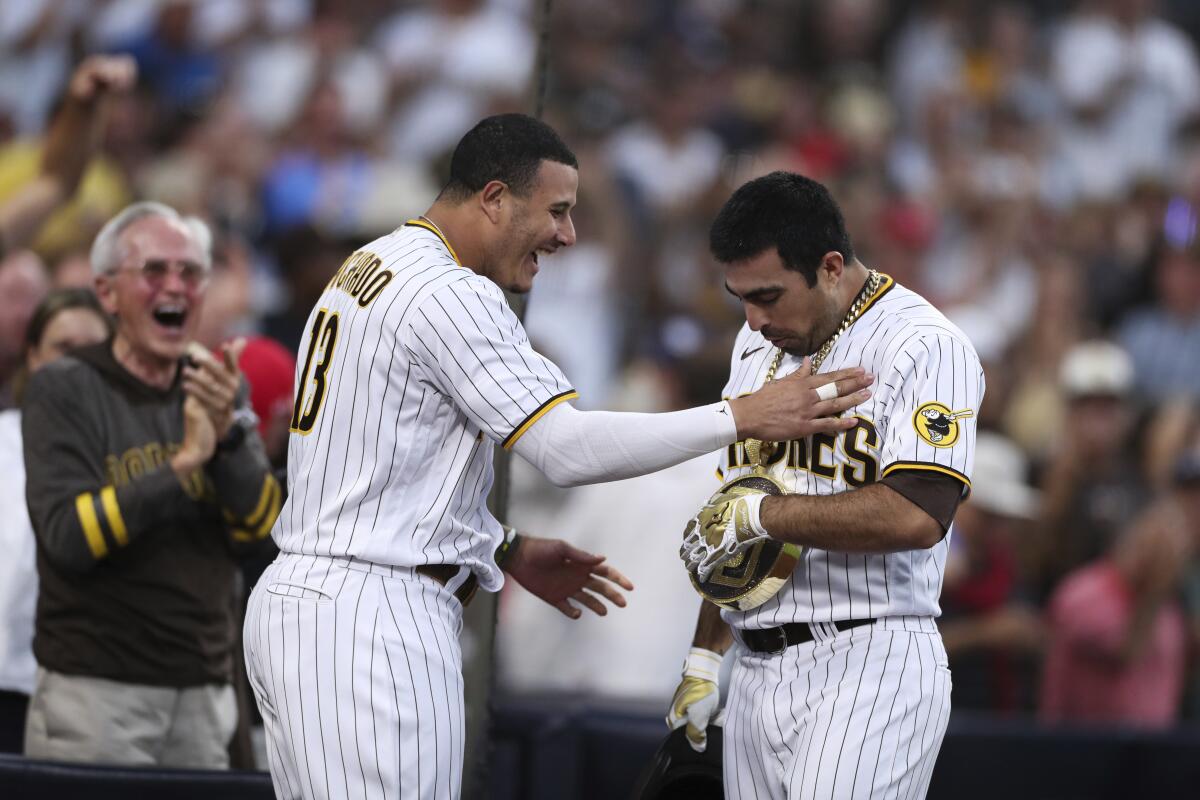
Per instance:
x=746, y=354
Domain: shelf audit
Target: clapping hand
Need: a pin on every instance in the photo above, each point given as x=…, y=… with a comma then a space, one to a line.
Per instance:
x=214, y=383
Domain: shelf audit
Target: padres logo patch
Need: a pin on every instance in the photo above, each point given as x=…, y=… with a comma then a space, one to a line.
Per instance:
x=938, y=425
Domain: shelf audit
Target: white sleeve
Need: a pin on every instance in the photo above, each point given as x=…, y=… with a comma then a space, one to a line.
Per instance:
x=933, y=412
x=573, y=447
x=470, y=345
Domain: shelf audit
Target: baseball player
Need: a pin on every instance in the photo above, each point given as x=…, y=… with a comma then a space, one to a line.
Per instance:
x=411, y=369
x=839, y=686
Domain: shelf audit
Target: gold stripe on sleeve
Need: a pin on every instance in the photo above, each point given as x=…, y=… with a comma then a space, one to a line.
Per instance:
x=264, y=500
x=116, y=523
x=570, y=394
x=86, y=509
x=268, y=520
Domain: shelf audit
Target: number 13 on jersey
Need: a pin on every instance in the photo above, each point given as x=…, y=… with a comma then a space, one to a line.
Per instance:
x=310, y=392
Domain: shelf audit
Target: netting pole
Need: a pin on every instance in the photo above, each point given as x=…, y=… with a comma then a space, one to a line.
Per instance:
x=479, y=639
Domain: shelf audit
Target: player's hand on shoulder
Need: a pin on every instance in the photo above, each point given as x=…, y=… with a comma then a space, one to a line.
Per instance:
x=697, y=698
x=801, y=404
x=559, y=573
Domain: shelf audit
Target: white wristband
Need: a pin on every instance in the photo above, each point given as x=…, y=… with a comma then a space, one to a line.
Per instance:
x=702, y=664
x=753, y=506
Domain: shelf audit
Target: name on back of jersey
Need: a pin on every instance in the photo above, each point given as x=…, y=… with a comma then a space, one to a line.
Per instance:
x=360, y=277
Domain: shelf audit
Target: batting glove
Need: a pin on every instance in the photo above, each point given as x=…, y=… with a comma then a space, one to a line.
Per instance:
x=724, y=528
x=697, y=697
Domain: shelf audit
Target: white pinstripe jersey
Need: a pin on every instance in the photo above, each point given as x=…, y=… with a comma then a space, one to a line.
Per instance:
x=411, y=366
x=921, y=415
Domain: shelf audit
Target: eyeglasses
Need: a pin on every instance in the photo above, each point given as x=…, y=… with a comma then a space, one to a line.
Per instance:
x=154, y=272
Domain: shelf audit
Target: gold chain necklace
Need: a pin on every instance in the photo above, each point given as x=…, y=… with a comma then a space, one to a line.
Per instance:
x=433, y=225
x=760, y=452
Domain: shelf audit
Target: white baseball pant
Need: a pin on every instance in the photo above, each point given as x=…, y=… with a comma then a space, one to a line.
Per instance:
x=357, y=671
x=859, y=714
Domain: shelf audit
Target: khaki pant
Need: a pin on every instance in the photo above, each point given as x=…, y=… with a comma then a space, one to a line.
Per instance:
x=76, y=718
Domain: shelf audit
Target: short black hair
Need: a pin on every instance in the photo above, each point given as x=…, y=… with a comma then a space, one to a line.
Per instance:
x=508, y=148
x=792, y=213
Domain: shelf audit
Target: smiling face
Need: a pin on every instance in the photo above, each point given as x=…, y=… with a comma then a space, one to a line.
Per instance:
x=157, y=291
x=781, y=305
x=532, y=226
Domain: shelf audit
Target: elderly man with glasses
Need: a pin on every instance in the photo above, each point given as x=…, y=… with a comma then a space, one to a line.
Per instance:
x=146, y=477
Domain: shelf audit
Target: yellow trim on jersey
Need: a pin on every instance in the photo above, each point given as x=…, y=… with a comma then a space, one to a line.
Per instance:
x=884, y=286
x=116, y=523
x=720, y=474
x=86, y=510
x=511, y=439
x=922, y=465
x=420, y=223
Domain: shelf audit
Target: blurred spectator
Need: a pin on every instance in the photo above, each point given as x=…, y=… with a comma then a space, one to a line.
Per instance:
x=35, y=58
x=269, y=369
x=142, y=483
x=296, y=45
x=180, y=71
x=67, y=319
x=574, y=312
x=1034, y=404
x=307, y=259
x=1092, y=487
x=991, y=629
x=35, y=182
x=322, y=177
x=23, y=284
x=927, y=59
x=668, y=159
x=1186, y=474
x=1164, y=339
x=1128, y=79
x=1001, y=67
x=1118, y=636
x=449, y=60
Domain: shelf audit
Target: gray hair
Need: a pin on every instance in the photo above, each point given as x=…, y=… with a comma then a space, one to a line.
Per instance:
x=106, y=250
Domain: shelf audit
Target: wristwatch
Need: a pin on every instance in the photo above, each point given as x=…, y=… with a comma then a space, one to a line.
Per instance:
x=244, y=421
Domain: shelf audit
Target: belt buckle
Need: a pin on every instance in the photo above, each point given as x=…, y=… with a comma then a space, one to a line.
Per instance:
x=779, y=637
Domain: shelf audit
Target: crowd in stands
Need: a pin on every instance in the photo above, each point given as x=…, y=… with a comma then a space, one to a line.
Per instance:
x=1033, y=168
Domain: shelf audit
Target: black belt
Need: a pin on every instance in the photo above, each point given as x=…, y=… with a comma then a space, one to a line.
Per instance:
x=776, y=640
x=444, y=573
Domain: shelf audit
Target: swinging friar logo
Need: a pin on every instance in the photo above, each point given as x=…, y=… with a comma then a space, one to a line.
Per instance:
x=938, y=425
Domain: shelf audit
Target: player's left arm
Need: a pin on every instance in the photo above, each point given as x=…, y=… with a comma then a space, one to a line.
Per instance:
x=926, y=457
x=873, y=519
x=557, y=573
